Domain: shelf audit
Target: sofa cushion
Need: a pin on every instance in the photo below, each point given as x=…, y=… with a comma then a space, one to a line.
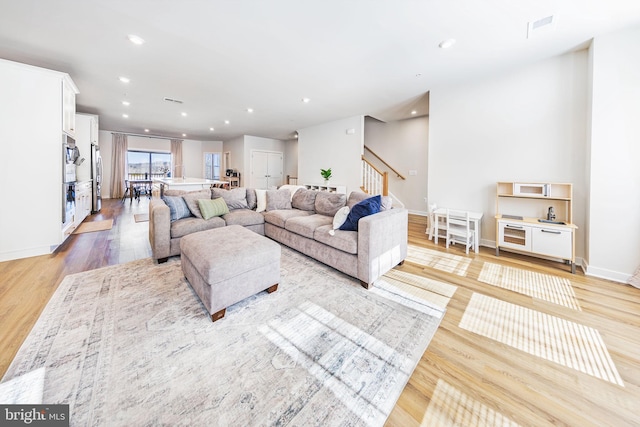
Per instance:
x=361, y=209
x=304, y=199
x=329, y=203
x=185, y=226
x=177, y=207
x=358, y=196
x=278, y=199
x=212, y=207
x=306, y=225
x=243, y=217
x=252, y=200
x=346, y=241
x=173, y=192
x=279, y=218
x=235, y=199
x=191, y=198
x=292, y=188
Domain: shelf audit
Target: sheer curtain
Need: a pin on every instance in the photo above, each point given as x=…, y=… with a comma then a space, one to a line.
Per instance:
x=176, y=158
x=118, y=164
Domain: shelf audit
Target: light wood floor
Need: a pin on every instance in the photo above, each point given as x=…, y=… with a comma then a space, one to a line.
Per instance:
x=464, y=378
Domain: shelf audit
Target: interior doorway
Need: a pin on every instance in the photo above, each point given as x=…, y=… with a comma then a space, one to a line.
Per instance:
x=266, y=169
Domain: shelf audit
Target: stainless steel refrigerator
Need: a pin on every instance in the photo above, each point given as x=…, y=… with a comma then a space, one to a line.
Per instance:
x=96, y=175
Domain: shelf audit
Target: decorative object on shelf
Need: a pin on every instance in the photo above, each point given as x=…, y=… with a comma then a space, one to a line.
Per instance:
x=551, y=215
x=326, y=174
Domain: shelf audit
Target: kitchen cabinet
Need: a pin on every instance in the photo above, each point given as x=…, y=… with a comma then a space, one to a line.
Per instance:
x=86, y=134
x=69, y=91
x=522, y=224
x=84, y=201
x=31, y=117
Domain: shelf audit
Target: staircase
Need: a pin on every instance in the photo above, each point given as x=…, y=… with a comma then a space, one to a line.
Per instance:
x=375, y=181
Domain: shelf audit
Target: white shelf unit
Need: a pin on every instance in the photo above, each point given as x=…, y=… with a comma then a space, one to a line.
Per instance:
x=520, y=206
x=340, y=189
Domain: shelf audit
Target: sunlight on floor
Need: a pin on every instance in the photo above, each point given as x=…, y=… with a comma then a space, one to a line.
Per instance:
x=415, y=291
x=546, y=287
x=552, y=338
x=450, y=407
x=449, y=263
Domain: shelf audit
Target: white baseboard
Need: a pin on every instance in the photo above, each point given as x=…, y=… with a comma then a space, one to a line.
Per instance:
x=419, y=213
x=604, y=273
x=26, y=253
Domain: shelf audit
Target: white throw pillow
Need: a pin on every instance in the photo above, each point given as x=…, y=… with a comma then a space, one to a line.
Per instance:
x=339, y=218
x=261, y=199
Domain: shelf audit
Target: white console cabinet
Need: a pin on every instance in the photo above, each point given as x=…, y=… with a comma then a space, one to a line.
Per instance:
x=341, y=189
x=521, y=214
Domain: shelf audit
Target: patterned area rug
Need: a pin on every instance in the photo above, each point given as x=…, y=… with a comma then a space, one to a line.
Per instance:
x=132, y=345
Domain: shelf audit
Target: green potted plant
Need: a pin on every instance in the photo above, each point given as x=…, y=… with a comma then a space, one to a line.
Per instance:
x=326, y=174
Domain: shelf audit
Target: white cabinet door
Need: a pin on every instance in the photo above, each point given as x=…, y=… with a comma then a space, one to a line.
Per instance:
x=552, y=241
x=68, y=107
x=515, y=236
x=266, y=169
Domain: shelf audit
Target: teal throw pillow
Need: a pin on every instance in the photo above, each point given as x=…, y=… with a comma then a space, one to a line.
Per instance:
x=213, y=207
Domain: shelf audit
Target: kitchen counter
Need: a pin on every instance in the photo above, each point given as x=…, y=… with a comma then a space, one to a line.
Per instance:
x=188, y=184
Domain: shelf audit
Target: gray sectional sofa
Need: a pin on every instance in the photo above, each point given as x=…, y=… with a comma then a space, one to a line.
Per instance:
x=303, y=221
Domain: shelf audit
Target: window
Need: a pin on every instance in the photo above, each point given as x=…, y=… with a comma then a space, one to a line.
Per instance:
x=212, y=165
x=147, y=165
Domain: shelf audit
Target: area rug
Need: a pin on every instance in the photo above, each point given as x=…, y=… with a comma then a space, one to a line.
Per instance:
x=141, y=217
x=132, y=345
x=90, y=227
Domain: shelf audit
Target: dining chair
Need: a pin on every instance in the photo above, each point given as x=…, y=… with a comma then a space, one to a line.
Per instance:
x=459, y=229
x=431, y=225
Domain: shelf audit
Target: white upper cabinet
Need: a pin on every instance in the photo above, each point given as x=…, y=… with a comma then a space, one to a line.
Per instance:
x=69, y=91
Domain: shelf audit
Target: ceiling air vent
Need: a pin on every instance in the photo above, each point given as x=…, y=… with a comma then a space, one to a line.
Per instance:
x=540, y=26
x=177, y=101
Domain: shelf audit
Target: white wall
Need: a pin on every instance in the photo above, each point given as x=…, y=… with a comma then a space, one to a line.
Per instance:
x=329, y=146
x=614, y=205
x=527, y=125
x=235, y=146
x=291, y=158
x=404, y=145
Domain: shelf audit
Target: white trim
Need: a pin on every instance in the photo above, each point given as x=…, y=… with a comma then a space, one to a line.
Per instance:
x=603, y=273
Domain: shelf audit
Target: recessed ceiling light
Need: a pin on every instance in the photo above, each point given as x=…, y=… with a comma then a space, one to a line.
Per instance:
x=414, y=112
x=126, y=103
x=135, y=39
x=124, y=79
x=446, y=44
x=296, y=136
x=146, y=130
x=226, y=122
x=183, y=114
x=184, y=134
x=211, y=129
x=249, y=110
x=306, y=100
x=126, y=116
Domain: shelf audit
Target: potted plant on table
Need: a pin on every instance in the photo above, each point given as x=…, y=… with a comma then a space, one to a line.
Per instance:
x=326, y=174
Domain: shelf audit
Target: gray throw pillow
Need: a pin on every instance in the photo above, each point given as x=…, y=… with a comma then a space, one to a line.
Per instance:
x=177, y=207
x=191, y=198
x=252, y=199
x=278, y=199
x=304, y=199
x=329, y=203
x=235, y=199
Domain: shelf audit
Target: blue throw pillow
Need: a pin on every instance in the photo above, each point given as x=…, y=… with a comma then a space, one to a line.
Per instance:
x=177, y=206
x=364, y=208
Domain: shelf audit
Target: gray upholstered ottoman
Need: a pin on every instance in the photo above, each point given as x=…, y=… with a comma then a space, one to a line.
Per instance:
x=228, y=264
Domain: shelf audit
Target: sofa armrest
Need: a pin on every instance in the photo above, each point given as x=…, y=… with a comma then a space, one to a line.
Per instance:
x=382, y=243
x=159, y=228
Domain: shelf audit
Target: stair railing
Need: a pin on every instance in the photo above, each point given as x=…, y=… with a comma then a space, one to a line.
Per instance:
x=373, y=180
x=385, y=163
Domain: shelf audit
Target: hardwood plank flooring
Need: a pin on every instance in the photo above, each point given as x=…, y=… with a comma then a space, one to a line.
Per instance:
x=462, y=379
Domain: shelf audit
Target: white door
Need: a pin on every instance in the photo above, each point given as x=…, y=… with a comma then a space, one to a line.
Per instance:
x=266, y=169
